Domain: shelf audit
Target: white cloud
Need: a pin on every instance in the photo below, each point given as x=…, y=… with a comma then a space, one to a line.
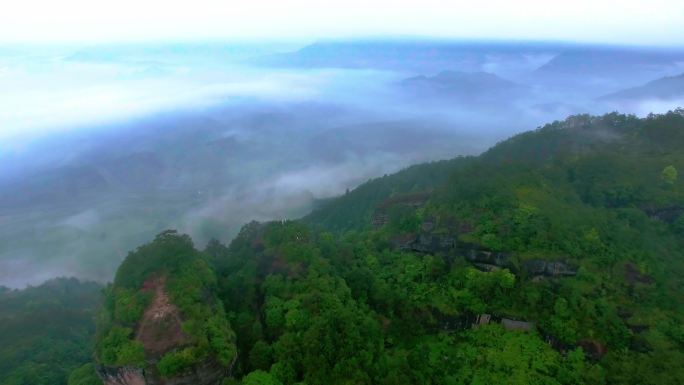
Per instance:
x=625, y=21
x=41, y=95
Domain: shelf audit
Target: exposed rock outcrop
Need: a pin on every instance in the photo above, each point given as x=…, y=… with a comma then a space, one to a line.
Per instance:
x=507, y=323
x=404, y=241
x=486, y=267
x=633, y=275
x=485, y=259
x=482, y=319
x=431, y=243
x=510, y=324
x=121, y=375
x=207, y=374
x=379, y=219
x=594, y=349
x=666, y=214
x=539, y=267
x=428, y=242
x=411, y=200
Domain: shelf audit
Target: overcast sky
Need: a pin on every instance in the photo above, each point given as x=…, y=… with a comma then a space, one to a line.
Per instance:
x=617, y=21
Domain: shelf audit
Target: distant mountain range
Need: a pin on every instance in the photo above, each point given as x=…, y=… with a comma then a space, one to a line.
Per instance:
x=667, y=88
x=597, y=69
x=419, y=56
x=561, y=57
x=610, y=61
x=462, y=86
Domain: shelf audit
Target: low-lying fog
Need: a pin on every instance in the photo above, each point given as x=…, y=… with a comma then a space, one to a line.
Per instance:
x=103, y=147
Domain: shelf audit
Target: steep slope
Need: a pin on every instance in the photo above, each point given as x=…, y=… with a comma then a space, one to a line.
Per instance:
x=162, y=323
x=576, y=136
x=353, y=211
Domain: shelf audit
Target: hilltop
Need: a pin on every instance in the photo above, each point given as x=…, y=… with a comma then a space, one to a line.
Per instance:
x=161, y=319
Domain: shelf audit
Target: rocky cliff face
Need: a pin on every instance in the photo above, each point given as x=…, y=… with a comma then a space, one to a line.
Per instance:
x=481, y=257
x=208, y=374
x=540, y=267
x=427, y=242
x=666, y=214
x=485, y=260
x=381, y=215
x=121, y=375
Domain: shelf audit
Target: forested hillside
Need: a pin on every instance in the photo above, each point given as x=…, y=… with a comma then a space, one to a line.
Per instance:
x=46, y=331
x=598, y=194
x=553, y=258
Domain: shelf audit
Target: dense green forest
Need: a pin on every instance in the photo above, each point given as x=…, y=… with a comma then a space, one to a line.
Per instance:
x=46, y=331
x=556, y=257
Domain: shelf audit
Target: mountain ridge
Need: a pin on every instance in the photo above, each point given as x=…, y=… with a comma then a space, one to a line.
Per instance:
x=667, y=88
x=546, y=243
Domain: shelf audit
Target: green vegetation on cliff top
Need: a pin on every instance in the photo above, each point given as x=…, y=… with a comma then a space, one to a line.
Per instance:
x=168, y=266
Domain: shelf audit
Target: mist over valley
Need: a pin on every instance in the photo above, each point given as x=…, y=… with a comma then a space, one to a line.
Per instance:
x=105, y=146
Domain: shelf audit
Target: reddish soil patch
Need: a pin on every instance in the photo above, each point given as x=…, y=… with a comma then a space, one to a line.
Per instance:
x=160, y=327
